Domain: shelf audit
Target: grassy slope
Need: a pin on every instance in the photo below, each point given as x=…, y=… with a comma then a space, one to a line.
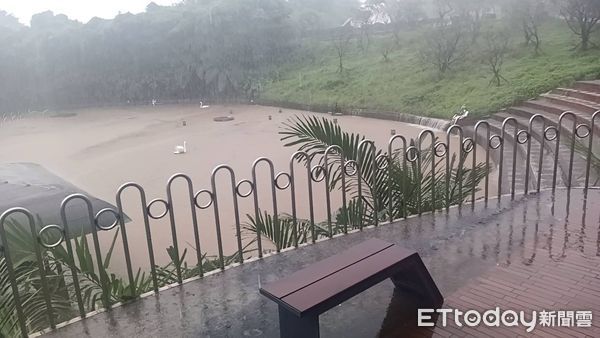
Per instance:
x=407, y=85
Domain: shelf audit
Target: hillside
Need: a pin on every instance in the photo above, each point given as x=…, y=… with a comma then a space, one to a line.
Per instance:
x=406, y=84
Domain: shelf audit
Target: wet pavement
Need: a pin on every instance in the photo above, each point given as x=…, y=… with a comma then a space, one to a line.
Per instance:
x=458, y=247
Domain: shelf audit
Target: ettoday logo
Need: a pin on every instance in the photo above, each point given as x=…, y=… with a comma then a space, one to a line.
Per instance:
x=506, y=318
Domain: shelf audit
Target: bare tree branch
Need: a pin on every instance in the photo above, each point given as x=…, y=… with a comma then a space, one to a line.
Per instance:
x=582, y=17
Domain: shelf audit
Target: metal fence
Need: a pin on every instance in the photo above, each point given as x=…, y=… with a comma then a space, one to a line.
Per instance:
x=54, y=286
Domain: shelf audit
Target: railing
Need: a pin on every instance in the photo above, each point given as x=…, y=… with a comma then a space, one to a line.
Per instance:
x=66, y=278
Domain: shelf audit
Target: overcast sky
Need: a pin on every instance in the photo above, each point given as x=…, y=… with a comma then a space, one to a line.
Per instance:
x=82, y=10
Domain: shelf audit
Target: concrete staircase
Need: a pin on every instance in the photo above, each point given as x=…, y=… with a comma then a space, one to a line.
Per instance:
x=583, y=100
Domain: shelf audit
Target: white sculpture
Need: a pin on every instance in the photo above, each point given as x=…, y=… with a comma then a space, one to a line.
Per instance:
x=463, y=114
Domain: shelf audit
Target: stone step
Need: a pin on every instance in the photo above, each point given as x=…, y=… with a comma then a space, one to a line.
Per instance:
x=580, y=94
x=573, y=103
x=547, y=166
x=552, y=119
x=583, y=101
x=588, y=86
x=564, y=151
x=557, y=109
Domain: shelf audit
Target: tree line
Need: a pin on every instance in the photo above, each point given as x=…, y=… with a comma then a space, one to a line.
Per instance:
x=207, y=50
x=215, y=50
x=454, y=29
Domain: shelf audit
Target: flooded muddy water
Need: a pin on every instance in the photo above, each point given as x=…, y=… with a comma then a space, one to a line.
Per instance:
x=100, y=149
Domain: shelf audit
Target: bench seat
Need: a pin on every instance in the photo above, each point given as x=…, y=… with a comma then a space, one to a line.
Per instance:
x=304, y=295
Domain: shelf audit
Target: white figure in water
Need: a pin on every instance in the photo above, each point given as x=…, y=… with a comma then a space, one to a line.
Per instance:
x=181, y=149
x=154, y=102
x=202, y=106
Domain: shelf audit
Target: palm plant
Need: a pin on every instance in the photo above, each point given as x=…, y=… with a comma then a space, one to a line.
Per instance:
x=97, y=285
x=283, y=231
x=168, y=274
x=401, y=189
x=28, y=281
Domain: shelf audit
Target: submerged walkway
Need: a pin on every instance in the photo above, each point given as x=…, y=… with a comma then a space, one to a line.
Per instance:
x=534, y=253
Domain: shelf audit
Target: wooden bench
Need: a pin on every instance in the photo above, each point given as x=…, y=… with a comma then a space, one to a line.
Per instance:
x=306, y=294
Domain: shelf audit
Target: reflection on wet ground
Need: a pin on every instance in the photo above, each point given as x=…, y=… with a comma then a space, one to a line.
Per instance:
x=507, y=244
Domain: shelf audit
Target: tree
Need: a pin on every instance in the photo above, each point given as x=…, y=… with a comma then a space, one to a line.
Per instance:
x=8, y=21
x=469, y=14
x=404, y=13
x=443, y=11
x=443, y=47
x=386, y=49
x=581, y=16
x=494, y=53
x=341, y=44
x=529, y=14
x=205, y=50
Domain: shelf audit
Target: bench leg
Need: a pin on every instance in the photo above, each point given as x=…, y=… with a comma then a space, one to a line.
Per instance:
x=292, y=326
x=415, y=277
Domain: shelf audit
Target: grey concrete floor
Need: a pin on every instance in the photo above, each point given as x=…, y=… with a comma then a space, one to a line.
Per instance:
x=456, y=246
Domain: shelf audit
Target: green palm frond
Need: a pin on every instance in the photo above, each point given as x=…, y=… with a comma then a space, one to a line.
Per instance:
x=401, y=189
x=94, y=280
x=314, y=135
x=282, y=231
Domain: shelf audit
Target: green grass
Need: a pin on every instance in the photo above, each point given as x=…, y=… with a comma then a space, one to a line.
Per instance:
x=405, y=84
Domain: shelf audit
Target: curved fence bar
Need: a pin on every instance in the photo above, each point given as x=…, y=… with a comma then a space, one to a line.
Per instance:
x=331, y=150
x=41, y=264
x=422, y=135
x=10, y=267
x=344, y=187
x=478, y=125
x=121, y=219
x=273, y=184
x=391, y=162
x=467, y=146
x=171, y=211
x=297, y=156
x=372, y=161
x=449, y=166
x=215, y=204
x=590, y=150
x=362, y=188
x=531, y=132
x=67, y=236
x=571, y=147
x=503, y=136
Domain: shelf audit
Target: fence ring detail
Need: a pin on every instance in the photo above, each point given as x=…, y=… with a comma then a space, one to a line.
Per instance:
x=350, y=164
x=412, y=150
x=314, y=172
x=440, y=149
x=382, y=161
x=520, y=140
x=468, y=145
x=547, y=134
x=208, y=204
x=239, y=185
x=158, y=200
x=58, y=242
x=496, y=138
x=104, y=211
x=289, y=181
x=586, y=129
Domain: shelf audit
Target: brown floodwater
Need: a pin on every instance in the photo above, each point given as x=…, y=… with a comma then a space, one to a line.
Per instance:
x=100, y=149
